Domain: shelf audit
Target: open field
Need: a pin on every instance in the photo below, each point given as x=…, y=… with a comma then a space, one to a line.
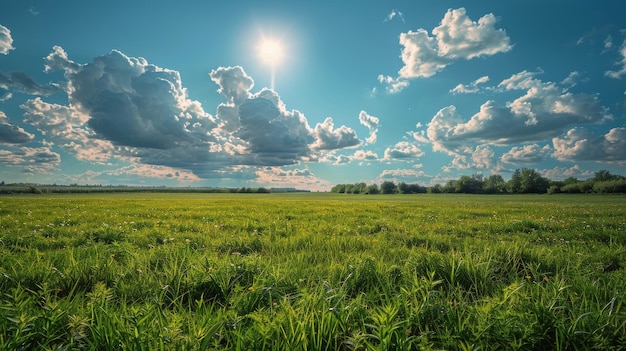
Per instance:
x=312, y=272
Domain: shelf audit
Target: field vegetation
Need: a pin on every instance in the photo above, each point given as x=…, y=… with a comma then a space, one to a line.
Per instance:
x=153, y=271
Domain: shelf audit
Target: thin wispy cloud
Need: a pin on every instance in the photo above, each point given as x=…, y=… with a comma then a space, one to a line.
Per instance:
x=620, y=64
x=470, y=88
x=371, y=122
x=395, y=14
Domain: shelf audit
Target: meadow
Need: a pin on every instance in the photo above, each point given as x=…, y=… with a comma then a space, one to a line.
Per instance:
x=312, y=272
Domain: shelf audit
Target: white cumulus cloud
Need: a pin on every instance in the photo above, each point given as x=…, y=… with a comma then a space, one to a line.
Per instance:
x=34, y=160
x=403, y=150
x=131, y=102
x=275, y=137
x=562, y=172
x=365, y=155
x=527, y=154
x=482, y=157
x=300, y=178
x=125, y=108
x=456, y=38
x=580, y=145
x=401, y=175
x=330, y=138
x=6, y=41
x=11, y=134
x=543, y=112
x=66, y=127
x=371, y=123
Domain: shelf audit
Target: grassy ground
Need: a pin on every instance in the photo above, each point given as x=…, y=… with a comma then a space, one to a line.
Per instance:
x=312, y=272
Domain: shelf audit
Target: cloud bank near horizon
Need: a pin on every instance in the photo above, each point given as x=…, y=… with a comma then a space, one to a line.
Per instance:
x=125, y=109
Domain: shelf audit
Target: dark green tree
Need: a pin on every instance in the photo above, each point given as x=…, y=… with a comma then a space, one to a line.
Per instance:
x=603, y=175
x=436, y=189
x=494, y=184
x=403, y=188
x=388, y=187
x=449, y=187
x=469, y=185
x=610, y=186
x=533, y=182
x=349, y=188
x=360, y=188
x=570, y=180
x=515, y=183
x=373, y=189
x=339, y=189
x=416, y=189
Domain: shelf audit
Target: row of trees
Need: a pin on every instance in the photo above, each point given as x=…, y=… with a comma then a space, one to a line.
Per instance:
x=387, y=187
x=603, y=183
x=523, y=181
x=27, y=188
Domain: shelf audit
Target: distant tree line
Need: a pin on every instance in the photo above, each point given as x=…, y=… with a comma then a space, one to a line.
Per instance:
x=603, y=183
x=523, y=181
x=27, y=188
x=386, y=187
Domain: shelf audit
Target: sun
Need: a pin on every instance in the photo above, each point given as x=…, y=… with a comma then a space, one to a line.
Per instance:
x=271, y=51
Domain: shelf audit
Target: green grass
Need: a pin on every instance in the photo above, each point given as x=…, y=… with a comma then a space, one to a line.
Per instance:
x=312, y=272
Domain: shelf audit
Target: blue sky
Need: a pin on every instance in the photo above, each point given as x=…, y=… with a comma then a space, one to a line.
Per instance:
x=185, y=93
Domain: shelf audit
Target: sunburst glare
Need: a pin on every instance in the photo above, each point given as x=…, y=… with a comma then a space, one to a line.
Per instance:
x=271, y=52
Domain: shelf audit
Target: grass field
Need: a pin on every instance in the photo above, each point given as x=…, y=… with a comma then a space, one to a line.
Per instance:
x=312, y=272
